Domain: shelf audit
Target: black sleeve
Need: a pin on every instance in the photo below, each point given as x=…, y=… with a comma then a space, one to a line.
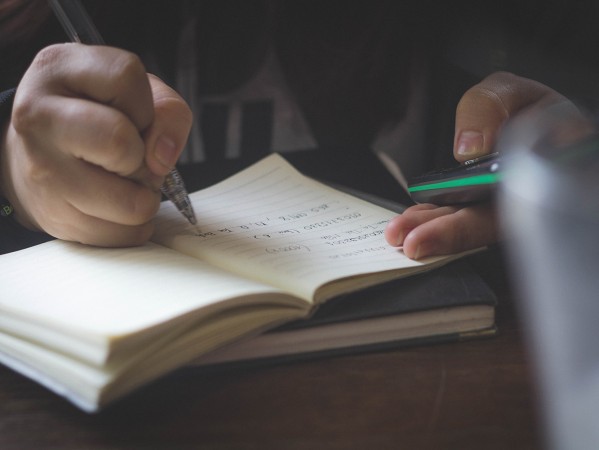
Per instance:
x=13, y=236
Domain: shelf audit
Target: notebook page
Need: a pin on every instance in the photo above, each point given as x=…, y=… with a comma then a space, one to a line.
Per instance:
x=273, y=224
x=80, y=298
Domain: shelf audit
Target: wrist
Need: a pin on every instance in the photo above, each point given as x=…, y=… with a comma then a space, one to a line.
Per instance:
x=6, y=99
x=13, y=235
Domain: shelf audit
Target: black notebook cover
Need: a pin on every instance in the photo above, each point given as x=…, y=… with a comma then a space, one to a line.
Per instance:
x=446, y=289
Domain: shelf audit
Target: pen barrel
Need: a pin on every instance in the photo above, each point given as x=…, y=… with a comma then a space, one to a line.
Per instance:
x=76, y=22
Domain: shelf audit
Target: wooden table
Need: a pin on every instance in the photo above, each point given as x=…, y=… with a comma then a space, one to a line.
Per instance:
x=467, y=395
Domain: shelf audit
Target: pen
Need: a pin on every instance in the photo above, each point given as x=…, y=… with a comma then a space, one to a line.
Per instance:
x=80, y=28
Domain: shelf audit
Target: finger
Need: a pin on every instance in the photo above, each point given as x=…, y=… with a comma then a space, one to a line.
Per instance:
x=399, y=227
x=169, y=131
x=90, y=131
x=87, y=189
x=484, y=108
x=100, y=194
x=94, y=231
x=466, y=229
x=107, y=75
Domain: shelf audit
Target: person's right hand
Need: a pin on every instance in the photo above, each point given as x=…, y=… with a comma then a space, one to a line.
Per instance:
x=90, y=139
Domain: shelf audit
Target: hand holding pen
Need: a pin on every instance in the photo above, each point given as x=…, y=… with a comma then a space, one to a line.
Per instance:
x=80, y=28
x=89, y=142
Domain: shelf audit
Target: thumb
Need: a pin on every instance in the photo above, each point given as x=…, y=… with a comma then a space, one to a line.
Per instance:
x=484, y=108
x=168, y=133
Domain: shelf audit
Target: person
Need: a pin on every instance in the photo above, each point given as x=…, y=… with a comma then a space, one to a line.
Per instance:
x=91, y=135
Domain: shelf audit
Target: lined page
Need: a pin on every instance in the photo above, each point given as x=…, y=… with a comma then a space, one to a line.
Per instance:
x=273, y=224
x=81, y=299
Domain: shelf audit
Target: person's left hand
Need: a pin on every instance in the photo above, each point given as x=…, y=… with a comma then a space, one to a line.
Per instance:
x=425, y=229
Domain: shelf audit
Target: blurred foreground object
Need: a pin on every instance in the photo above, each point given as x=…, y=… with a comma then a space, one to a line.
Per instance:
x=549, y=205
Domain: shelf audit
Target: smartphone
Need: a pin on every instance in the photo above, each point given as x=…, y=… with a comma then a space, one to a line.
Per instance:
x=470, y=182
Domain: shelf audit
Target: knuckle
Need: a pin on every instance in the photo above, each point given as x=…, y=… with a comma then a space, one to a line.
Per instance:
x=126, y=70
x=121, y=153
x=30, y=112
x=130, y=88
x=36, y=168
x=481, y=100
x=23, y=117
x=48, y=57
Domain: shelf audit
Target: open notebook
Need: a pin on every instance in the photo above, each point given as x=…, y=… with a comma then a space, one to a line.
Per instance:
x=271, y=246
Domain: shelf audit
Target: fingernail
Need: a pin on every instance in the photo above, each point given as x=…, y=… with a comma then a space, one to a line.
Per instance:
x=165, y=151
x=470, y=143
x=422, y=251
x=417, y=253
x=400, y=238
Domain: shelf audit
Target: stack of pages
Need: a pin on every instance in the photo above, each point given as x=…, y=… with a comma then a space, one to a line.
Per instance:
x=271, y=246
